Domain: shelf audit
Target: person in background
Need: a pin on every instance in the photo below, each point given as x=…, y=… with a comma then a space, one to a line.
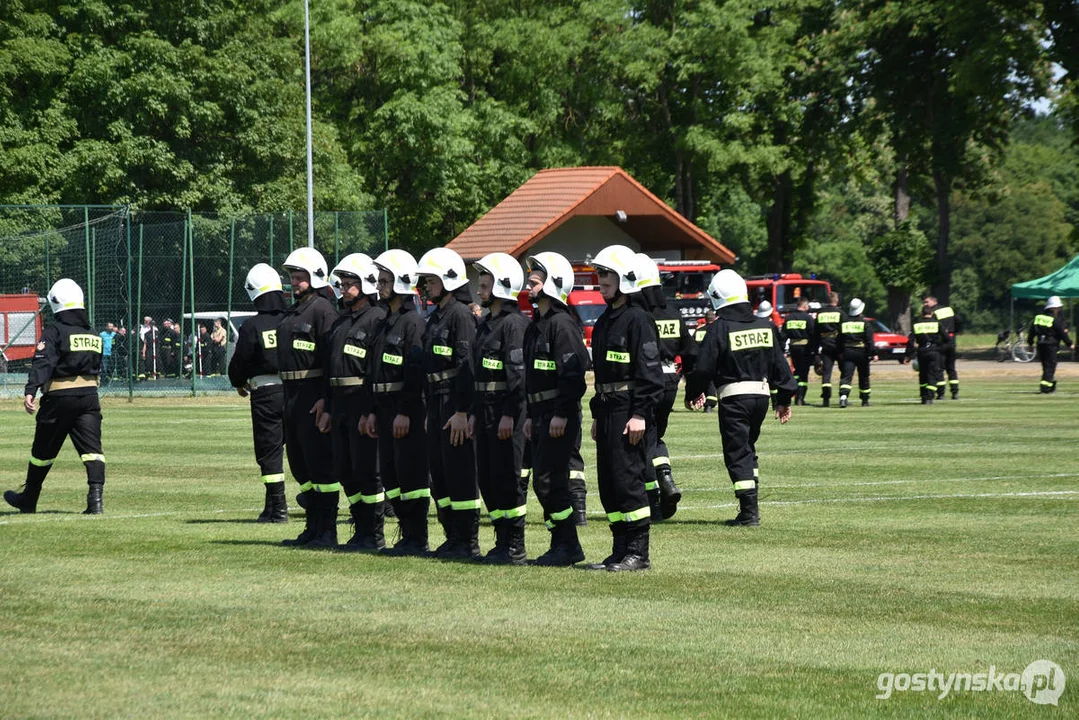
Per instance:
x=149, y=346
x=856, y=350
x=946, y=317
x=108, y=335
x=218, y=340
x=926, y=339
x=1049, y=330
x=797, y=331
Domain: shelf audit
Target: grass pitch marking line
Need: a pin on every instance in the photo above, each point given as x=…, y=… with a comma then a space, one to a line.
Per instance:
x=1058, y=494
x=770, y=486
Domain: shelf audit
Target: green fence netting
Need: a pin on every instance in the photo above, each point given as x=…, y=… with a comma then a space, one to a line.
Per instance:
x=157, y=284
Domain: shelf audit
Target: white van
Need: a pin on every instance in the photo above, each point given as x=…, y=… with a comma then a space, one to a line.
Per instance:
x=235, y=320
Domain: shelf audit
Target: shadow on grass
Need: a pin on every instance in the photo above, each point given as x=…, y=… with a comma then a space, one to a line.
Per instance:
x=264, y=543
x=227, y=521
x=8, y=511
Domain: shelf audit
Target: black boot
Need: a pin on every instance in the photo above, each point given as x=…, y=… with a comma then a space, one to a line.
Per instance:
x=276, y=510
x=367, y=525
x=326, y=510
x=578, y=499
x=93, y=499
x=412, y=517
x=654, y=505
x=669, y=494
x=464, y=542
x=499, y=554
x=618, y=547
x=636, y=557
x=311, y=526
x=748, y=514
x=26, y=499
x=445, y=519
x=305, y=498
x=565, y=547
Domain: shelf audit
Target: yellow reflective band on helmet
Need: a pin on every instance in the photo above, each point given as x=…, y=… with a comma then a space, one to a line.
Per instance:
x=576, y=474
x=562, y=514
x=736, y=299
x=492, y=364
x=355, y=351
x=443, y=502
x=744, y=485
x=544, y=365
x=331, y=487
x=273, y=478
x=497, y=514
x=307, y=486
x=417, y=494
x=306, y=345
x=91, y=457
x=394, y=493
x=465, y=504
x=86, y=343
x=515, y=512
x=269, y=339
x=654, y=485
x=392, y=359
x=443, y=350
x=40, y=463
x=618, y=357
x=660, y=460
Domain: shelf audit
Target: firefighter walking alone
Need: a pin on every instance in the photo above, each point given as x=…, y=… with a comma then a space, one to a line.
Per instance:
x=1049, y=331
x=66, y=368
x=856, y=349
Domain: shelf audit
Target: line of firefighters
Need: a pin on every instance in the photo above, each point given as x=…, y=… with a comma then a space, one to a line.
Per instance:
x=396, y=413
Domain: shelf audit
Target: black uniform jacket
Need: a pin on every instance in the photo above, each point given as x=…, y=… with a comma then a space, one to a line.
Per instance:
x=256, y=343
x=927, y=335
x=1049, y=329
x=396, y=360
x=556, y=360
x=67, y=349
x=447, y=354
x=301, y=332
x=347, y=348
x=856, y=334
x=827, y=327
x=499, y=361
x=799, y=328
x=740, y=347
x=625, y=350
x=675, y=339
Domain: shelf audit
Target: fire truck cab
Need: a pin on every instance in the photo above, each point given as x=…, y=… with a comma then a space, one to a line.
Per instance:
x=784, y=291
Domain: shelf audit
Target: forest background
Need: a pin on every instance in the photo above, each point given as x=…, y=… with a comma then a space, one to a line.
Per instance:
x=891, y=147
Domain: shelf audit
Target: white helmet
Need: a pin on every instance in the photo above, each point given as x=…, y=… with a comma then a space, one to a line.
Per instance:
x=508, y=276
x=261, y=279
x=65, y=294
x=311, y=260
x=360, y=266
x=647, y=271
x=856, y=307
x=335, y=285
x=559, y=281
x=1053, y=302
x=727, y=288
x=446, y=265
x=402, y=266
x=622, y=261
x=764, y=310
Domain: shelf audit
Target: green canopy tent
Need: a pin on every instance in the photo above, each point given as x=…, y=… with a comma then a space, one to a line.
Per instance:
x=1063, y=282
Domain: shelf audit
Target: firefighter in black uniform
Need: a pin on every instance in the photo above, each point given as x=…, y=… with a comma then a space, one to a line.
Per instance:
x=310, y=452
x=449, y=389
x=740, y=353
x=825, y=344
x=66, y=368
x=945, y=315
x=797, y=332
x=856, y=350
x=925, y=341
x=711, y=399
x=556, y=360
x=254, y=371
x=498, y=412
x=675, y=342
x=1049, y=330
x=170, y=349
x=629, y=385
x=392, y=401
x=355, y=454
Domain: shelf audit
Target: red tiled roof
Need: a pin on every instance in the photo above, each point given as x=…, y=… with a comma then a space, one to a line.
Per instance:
x=553, y=196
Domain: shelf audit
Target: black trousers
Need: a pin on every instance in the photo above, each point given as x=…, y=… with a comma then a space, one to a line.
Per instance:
x=829, y=356
x=402, y=462
x=621, y=469
x=658, y=455
x=802, y=360
x=1048, y=356
x=310, y=453
x=499, y=463
x=551, y=466
x=453, y=469
x=60, y=416
x=355, y=456
x=947, y=362
x=268, y=429
x=929, y=374
x=740, y=420
x=855, y=359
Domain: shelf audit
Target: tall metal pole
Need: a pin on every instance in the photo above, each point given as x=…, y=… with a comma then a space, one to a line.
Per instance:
x=307, y=87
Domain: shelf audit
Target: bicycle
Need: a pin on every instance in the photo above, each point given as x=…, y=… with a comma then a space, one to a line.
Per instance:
x=1014, y=347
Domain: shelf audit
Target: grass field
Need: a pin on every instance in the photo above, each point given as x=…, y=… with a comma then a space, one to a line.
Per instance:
x=894, y=539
